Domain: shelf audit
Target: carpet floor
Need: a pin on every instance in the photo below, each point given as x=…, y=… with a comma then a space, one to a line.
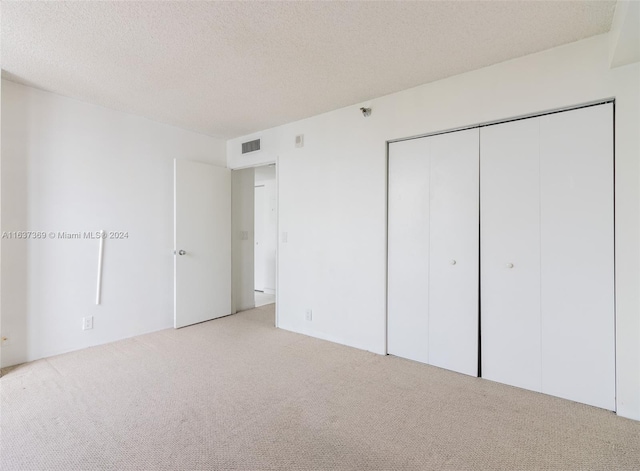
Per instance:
x=238, y=394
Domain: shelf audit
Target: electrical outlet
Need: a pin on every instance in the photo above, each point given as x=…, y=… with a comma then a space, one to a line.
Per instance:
x=87, y=323
x=308, y=315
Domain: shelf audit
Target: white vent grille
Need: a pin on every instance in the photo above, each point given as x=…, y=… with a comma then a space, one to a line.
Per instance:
x=250, y=146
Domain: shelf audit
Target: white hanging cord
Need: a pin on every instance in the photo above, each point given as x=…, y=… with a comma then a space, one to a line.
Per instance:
x=99, y=286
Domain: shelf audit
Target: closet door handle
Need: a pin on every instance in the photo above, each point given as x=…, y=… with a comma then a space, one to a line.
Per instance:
x=453, y=262
x=509, y=265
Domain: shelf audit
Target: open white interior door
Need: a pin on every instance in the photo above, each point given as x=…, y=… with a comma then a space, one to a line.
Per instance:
x=202, y=238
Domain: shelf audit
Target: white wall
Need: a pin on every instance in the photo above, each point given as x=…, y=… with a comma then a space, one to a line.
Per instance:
x=71, y=166
x=624, y=36
x=332, y=192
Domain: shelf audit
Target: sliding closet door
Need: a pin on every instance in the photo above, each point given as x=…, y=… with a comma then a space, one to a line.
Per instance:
x=510, y=253
x=408, y=241
x=577, y=292
x=453, y=251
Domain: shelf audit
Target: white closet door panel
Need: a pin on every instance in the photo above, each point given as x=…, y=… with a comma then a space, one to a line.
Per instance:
x=576, y=165
x=453, y=248
x=510, y=253
x=408, y=270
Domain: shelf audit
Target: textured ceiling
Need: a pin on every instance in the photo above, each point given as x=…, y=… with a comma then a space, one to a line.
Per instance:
x=231, y=68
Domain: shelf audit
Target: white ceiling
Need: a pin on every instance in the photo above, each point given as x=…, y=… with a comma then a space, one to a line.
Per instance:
x=231, y=68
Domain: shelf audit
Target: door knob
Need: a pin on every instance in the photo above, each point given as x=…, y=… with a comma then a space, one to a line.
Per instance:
x=509, y=265
x=181, y=252
x=453, y=262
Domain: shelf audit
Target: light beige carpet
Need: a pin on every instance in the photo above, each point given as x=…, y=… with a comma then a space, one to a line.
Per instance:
x=236, y=393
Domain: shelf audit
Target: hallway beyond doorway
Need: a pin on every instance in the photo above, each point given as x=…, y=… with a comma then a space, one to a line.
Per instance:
x=262, y=299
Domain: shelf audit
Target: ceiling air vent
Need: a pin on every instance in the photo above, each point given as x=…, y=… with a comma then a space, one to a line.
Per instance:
x=250, y=146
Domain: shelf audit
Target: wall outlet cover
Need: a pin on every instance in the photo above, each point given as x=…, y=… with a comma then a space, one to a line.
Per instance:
x=87, y=323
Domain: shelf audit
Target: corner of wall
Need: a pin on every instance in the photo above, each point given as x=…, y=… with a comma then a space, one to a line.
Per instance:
x=624, y=37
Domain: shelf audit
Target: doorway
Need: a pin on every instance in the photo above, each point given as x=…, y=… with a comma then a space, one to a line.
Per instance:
x=254, y=221
x=265, y=235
